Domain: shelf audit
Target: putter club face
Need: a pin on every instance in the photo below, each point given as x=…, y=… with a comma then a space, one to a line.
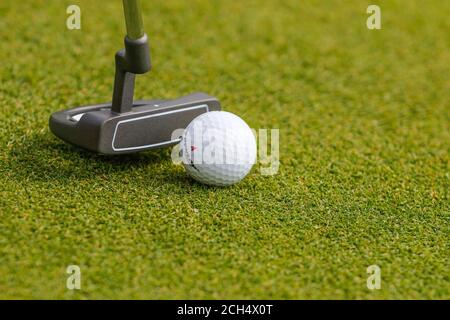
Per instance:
x=127, y=126
x=150, y=125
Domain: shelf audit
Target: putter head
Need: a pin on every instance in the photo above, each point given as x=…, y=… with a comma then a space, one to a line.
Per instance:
x=149, y=125
x=124, y=125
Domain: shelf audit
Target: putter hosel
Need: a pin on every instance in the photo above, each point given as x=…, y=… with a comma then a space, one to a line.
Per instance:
x=134, y=59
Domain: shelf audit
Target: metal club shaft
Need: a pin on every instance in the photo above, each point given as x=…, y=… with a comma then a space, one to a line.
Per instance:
x=133, y=18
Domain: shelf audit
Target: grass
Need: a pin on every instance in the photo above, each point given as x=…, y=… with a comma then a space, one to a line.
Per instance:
x=364, y=176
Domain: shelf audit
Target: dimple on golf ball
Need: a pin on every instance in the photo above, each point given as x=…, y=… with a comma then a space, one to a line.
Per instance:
x=218, y=148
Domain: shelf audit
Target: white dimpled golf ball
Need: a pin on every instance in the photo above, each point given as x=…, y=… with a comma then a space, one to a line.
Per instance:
x=218, y=148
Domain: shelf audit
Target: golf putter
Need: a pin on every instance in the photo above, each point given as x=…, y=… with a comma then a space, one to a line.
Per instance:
x=128, y=126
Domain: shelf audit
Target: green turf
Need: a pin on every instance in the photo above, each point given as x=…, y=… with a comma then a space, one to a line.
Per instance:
x=364, y=176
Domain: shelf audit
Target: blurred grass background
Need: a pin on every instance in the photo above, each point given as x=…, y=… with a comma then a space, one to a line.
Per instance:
x=364, y=173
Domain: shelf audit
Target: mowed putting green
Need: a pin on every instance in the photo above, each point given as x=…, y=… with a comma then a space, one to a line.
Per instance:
x=364, y=174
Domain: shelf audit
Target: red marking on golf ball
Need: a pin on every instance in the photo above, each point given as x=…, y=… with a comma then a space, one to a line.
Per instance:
x=193, y=148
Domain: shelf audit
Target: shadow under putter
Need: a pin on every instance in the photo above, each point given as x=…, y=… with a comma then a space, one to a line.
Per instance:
x=128, y=126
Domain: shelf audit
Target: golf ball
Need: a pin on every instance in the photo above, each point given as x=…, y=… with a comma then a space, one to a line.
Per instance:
x=218, y=148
